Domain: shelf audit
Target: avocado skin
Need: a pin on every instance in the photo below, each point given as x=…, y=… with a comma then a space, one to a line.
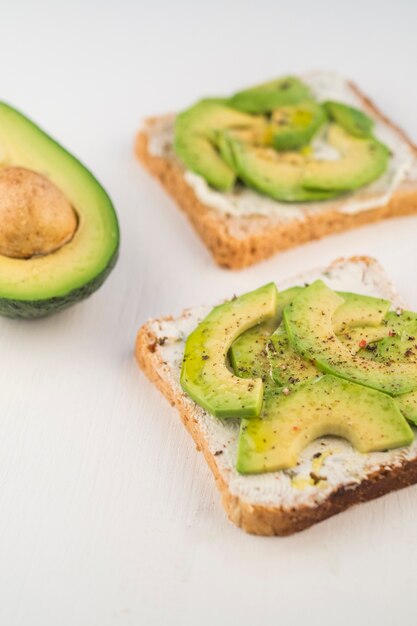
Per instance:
x=33, y=309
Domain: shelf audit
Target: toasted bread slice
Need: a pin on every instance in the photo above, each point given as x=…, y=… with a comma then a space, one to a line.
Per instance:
x=284, y=502
x=237, y=240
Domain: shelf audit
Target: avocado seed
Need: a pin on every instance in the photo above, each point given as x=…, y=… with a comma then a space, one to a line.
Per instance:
x=35, y=216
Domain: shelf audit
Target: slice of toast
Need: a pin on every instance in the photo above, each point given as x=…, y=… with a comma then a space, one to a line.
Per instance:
x=330, y=476
x=238, y=238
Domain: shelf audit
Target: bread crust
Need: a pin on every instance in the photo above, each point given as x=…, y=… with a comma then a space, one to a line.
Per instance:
x=262, y=236
x=255, y=518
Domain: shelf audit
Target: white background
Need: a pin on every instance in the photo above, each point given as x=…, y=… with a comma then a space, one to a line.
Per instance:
x=108, y=515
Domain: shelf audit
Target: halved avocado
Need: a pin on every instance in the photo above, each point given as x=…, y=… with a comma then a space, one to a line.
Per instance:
x=354, y=121
x=367, y=418
x=205, y=375
x=308, y=321
x=361, y=161
x=195, y=136
x=42, y=284
x=293, y=127
x=271, y=95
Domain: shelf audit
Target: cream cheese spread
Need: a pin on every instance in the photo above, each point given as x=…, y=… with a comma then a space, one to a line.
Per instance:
x=244, y=202
x=338, y=465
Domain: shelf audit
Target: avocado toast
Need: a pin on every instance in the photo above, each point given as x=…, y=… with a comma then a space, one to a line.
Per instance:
x=259, y=173
x=283, y=485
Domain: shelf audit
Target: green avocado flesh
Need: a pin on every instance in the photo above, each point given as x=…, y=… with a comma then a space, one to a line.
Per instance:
x=308, y=322
x=352, y=120
x=361, y=162
x=293, y=177
x=294, y=126
x=263, y=138
x=278, y=175
x=195, y=139
x=407, y=404
x=359, y=310
x=288, y=352
x=247, y=353
x=205, y=375
x=287, y=367
x=271, y=95
x=367, y=418
x=41, y=285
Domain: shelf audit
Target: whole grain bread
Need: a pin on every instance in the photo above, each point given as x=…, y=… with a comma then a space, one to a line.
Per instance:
x=239, y=241
x=274, y=503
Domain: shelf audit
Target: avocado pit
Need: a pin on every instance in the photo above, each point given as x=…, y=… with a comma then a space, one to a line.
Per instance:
x=35, y=216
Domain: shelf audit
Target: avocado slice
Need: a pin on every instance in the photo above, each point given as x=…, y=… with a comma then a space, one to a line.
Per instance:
x=398, y=341
x=407, y=403
x=288, y=368
x=354, y=121
x=359, y=310
x=205, y=375
x=264, y=350
x=43, y=284
x=248, y=353
x=308, y=321
x=294, y=126
x=271, y=95
x=361, y=161
x=195, y=139
x=278, y=175
x=367, y=418
x=362, y=340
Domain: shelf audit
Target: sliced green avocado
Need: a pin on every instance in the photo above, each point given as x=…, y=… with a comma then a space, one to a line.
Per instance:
x=354, y=121
x=398, y=343
x=359, y=310
x=258, y=135
x=205, y=375
x=278, y=175
x=308, y=321
x=40, y=285
x=195, y=139
x=248, y=354
x=361, y=161
x=288, y=368
x=362, y=340
x=261, y=352
x=407, y=403
x=367, y=418
x=271, y=95
x=294, y=126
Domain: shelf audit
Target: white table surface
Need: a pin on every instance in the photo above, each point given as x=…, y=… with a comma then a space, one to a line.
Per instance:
x=108, y=515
